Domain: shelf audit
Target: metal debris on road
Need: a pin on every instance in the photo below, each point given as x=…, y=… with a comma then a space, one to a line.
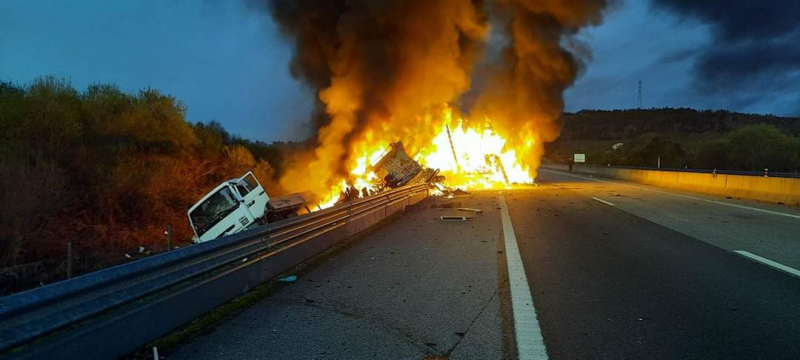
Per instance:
x=288, y=279
x=455, y=218
x=478, y=211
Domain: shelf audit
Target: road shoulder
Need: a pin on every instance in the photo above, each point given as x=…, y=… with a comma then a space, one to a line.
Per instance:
x=417, y=287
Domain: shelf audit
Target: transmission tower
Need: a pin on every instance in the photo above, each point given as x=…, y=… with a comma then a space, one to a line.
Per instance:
x=639, y=103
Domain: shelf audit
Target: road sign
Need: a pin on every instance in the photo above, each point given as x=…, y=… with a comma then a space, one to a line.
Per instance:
x=580, y=158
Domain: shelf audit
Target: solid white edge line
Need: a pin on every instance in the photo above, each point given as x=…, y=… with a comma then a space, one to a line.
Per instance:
x=530, y=344
x=603, y=201
x=678, y=195
x=768, y=262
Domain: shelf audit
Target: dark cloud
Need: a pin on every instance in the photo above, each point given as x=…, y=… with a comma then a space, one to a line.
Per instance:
x=741, y=19
x=755, y=45
x=764, y=61
x=795, y=112
x=678, y=55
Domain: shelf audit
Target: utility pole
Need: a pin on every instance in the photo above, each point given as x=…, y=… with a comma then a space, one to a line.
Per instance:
x=453, y=148
x=639, y=103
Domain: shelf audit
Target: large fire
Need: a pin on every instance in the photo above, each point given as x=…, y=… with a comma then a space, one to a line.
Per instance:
x=383, y=70
x=468, y=157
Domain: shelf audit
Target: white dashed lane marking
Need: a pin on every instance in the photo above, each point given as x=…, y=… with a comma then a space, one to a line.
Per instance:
x=768, y=262
x=680, y=195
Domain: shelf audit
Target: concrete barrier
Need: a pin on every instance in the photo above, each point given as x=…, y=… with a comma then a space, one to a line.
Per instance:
x=771, y=189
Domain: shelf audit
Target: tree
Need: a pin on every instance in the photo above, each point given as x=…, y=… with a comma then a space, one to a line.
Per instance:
x=212, y=137
x=105, y=169
x=670, y=153
x=714, y=155
x=756, y=147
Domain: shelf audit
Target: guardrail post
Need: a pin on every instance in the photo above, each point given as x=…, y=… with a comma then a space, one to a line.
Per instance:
x=169, y=237
x=69, y=260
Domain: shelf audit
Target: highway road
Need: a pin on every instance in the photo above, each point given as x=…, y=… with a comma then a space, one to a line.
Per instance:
x=577, y=268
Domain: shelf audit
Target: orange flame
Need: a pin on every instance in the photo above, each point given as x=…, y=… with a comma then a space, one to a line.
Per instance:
x=486, y=160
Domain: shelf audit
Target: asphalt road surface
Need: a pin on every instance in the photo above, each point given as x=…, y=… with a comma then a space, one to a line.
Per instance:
x=610, y=270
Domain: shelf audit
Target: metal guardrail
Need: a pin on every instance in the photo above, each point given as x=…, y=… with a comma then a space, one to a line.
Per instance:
x=112, y=312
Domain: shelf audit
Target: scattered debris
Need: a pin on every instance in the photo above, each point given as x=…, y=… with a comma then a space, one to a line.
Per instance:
x=455, y=218
x=284, y=207
x=396, y=168
x=141, y=249
x=435, y=357
x=470, y=210
x=494, y=160
x=127, y=256
x=288, y=279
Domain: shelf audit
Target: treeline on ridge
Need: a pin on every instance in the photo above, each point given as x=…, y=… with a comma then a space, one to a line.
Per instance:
x=680, y=138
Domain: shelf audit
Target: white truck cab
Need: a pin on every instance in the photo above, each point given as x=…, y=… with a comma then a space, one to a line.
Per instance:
x=232, y=206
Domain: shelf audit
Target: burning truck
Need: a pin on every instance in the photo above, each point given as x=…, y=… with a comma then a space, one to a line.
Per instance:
x=393, y=170
x=242, y=203
x=239, y=204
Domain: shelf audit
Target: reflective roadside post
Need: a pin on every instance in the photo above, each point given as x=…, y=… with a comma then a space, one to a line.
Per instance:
x=169, y=237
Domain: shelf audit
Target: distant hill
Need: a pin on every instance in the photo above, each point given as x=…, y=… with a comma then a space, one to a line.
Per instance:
x=629, y=124
x=680, y=138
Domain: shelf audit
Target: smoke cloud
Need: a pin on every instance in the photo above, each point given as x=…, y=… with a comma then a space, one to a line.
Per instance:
x=755, y=44
x=385, y=66
x=525, y=94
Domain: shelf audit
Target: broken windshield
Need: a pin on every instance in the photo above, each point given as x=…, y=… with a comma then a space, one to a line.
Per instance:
x=213, y=210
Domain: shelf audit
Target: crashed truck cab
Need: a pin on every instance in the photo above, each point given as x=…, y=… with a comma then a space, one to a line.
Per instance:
x=231, y=207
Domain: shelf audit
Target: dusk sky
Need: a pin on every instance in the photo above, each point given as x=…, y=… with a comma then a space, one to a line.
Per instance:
x=227, y=62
